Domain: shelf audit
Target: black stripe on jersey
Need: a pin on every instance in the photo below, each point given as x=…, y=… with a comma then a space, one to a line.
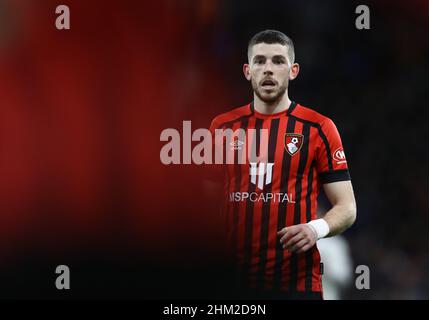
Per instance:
x=249, y=212
x=327, y=147
x=298, y=190
x=252, y=107
x=310, y=190
x=272, y=144
x=281, y=214
x=258, y=138
x=334, y=176
x=225, y=151
x=291, y=107
x=322, y=136
x=309, y=253
x=237, y=175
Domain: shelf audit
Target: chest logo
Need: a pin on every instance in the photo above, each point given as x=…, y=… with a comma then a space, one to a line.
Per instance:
x=263, y=172
x=293, y=142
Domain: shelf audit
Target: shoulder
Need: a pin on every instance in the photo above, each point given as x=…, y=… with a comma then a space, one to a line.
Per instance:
x=306, y=114
x=231, y=116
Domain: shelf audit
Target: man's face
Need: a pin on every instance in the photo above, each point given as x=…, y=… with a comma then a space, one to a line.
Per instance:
x=269, y=71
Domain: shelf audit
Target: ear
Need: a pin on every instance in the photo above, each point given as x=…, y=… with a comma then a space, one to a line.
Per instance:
x=246, y=71
x=293, y=72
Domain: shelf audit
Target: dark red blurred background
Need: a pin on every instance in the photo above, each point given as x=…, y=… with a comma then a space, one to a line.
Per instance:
x=81, y=115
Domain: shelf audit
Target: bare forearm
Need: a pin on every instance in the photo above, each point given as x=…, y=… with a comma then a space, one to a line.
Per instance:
x=340, y=218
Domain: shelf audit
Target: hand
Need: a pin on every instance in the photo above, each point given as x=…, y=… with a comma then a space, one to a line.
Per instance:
x=298, y=238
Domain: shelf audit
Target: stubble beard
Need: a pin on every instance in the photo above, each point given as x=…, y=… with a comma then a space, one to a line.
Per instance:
x=272, y=99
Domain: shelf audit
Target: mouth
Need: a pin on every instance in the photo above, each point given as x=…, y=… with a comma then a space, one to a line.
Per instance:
x=268, y=84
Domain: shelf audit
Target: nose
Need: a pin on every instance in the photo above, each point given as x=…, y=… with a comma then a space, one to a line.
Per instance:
x=268, y=68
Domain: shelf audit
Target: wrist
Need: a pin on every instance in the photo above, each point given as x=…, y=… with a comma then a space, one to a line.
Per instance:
x=320, y=227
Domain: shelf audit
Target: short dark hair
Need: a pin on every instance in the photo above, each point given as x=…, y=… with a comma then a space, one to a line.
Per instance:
x=270, y=37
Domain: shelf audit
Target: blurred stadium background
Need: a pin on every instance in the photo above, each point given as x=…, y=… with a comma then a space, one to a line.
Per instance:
x=81, y=112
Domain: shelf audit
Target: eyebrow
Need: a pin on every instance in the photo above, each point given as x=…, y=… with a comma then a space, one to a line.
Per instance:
x=279, y=56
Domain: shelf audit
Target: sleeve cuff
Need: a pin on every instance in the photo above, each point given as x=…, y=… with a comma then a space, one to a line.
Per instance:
x=335, y=176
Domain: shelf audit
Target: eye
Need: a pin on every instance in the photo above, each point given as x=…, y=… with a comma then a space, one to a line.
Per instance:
x=259, y=60
x=279, y=61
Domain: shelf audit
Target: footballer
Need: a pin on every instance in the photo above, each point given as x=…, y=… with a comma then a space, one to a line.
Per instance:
x=270, y=206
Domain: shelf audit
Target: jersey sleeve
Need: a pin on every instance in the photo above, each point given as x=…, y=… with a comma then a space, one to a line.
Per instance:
x=331, y=162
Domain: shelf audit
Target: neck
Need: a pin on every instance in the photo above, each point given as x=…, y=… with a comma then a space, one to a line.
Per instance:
x=274, y=107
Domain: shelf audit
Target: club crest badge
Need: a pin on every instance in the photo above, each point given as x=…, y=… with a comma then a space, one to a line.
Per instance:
x=293, y=142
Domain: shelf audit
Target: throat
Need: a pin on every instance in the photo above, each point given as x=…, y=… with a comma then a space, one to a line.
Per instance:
x=271, y=108
x=268, y=107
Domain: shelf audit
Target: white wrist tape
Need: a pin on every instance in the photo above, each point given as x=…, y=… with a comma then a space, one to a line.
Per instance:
x=321, y=227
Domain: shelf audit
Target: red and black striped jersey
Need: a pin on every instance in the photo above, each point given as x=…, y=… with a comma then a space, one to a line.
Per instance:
x=303, y=151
